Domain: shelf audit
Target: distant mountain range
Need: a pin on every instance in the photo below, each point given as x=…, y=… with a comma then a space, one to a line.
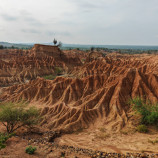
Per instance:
x=81, y=46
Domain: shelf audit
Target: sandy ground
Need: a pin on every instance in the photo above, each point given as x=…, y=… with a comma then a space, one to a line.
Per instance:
x=110, y=142
x=95, y=139
x=16, y=149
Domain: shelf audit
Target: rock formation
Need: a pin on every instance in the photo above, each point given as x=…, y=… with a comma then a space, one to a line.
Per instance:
x=98, y=90
x=18, y=66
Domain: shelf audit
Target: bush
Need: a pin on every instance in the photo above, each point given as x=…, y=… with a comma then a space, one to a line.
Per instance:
x=30, y=150
x=148, y=111
x=49, y=77
x=58, y=70
x=3, y=139
x=142, y=129
x=14, y=116
x=1, y=47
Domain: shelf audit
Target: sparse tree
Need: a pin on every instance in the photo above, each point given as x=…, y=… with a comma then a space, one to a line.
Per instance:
x=55, y=41
x=92, y=49
x=60, y=44
x=14, y=116
x=1, y=47
x=91, y=52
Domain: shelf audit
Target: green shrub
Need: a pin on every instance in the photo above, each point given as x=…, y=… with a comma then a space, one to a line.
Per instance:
x=58, y=70
x=30, y=150
x=148, y=111
x=62, y=154
x=142, y=129
x=14, y=116
x=2, y=146
x=49, y=77
x=3, y=139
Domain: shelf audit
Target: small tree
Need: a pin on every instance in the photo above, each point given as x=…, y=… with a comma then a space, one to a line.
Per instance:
x=55, y=41
x=1, y=47
x=12, y=47
x=14, y=116
x=92, y=49
x=60, y=44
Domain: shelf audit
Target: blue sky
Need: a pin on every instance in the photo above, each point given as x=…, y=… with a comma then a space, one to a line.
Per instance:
x=118, y=22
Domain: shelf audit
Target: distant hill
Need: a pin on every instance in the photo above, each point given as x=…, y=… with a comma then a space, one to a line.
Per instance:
x=24, y=46
x=82, y=46
x=113, y=47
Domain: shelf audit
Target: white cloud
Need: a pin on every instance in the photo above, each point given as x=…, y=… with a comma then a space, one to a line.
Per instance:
x=80, y=21
x=1, y=28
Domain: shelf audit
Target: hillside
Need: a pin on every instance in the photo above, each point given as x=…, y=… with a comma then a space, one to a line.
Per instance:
x=19, y=66
x=84, y=101
x=98, y=90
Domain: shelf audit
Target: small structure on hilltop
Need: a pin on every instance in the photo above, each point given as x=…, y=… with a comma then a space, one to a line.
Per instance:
x=48, y=50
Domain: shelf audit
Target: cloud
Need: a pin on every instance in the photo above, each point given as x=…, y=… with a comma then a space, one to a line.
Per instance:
x=22, y=16
x=31, y=20
x=58, y=33
x=80, y=21
x=1, y=28
x=31, y=31
x=27, y=17
x=7, y=17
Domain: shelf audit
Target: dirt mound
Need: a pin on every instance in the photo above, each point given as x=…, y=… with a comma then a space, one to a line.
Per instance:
x=100, y=92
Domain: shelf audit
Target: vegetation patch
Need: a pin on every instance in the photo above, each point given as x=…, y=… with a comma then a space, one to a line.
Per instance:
x=16, y=115
x=3, y=138
x=49, y=77
x=147, y=110
x=30, y=150
x=58, y=70
x=142, y=129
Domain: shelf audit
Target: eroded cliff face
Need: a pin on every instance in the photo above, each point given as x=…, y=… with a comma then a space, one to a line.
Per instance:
x=98, y=90
x=20, y=66
x=46, y=50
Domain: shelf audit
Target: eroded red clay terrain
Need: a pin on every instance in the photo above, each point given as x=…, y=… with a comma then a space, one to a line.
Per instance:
x=87, y=104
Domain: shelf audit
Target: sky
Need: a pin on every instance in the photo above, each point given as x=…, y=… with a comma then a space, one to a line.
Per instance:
x=102, y=22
